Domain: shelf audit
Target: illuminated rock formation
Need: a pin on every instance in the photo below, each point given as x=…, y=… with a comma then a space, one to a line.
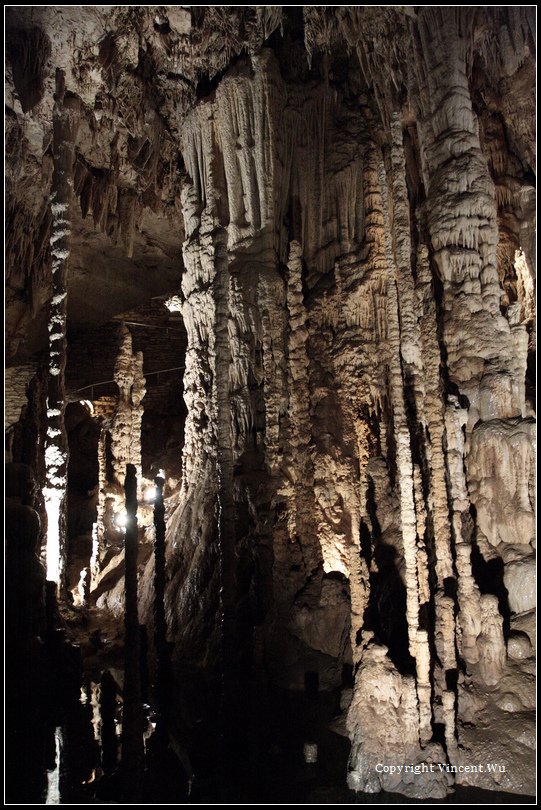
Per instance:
x=339, y=202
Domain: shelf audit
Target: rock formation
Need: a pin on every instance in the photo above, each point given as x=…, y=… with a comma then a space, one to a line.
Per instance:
x=339, y=203
x=125, y=428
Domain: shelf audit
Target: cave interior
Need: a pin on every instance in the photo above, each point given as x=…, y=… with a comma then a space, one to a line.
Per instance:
x=270, y=404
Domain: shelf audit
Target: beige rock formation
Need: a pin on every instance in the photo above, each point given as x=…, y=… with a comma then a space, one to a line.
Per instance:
x=340, y=205
x=125, y=430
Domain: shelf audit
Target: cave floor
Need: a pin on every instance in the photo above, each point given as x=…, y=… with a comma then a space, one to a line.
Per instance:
x=60, y=753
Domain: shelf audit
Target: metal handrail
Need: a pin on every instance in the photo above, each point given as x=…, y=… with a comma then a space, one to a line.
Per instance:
x=151, y=325
x=146, y=374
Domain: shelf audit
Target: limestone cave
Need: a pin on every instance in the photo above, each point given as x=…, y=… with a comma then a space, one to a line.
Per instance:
x=270, y=404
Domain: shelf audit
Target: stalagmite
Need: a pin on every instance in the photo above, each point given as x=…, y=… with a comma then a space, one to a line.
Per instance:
x=126, y=424
x=299, y=407
x=402, y=435
x=324, y=219
x=491, y=644
x=434, y=410
x=98, y=528
x=65, y=122
x=132, y=717
x=469, y=617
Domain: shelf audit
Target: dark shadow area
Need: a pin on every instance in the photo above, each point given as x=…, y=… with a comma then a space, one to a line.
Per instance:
x=488, y=575
x=531, y=375
x=83, y=436
x=386, y=611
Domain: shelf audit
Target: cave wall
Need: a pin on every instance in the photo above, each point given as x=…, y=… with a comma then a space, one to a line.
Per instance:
x=354, y=203
x=16, y=384
x=381, y=335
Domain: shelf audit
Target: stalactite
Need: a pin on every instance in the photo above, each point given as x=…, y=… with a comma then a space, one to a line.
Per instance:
x=132, y=717
x=358, y=297
x=461, y=218
x=65, y=118
x=421, y=356
x=358, y=564
x=469, y=616
x=376, y=677
x=272, y=294
x=301, y=469
x=402, y=435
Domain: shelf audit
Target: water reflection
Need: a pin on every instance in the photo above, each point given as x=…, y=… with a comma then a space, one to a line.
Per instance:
x=53, y=776
x=82, y=736
x=111, y=729
x=72, y=752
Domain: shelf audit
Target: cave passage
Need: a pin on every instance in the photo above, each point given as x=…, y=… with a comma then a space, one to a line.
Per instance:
x=270, y=404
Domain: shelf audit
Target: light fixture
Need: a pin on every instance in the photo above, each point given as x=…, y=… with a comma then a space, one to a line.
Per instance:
x=150, y=493
x=120, y=519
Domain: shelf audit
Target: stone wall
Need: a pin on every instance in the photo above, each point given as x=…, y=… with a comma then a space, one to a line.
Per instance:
x=17, y=379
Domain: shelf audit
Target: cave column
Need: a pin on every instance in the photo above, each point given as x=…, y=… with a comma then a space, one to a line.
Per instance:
x=208, y=451
x=98, y=528
x=65, y=124
x=486, y=351
x=469, y=599
x=420, y=349
x=405, y=471
x=417, y=329
x=362, y=564
x=408, y=515
x=301, y=469
x=462, y=222
x=127, y=420
x=359, y=577
x=224, y=456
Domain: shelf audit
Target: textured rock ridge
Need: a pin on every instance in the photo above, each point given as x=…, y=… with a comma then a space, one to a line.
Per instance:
x=341, y=205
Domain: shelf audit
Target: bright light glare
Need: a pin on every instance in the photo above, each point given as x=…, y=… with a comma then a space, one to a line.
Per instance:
x=53, y=776
x=53, y=501
x=121, y=519
x=150, y=494
x=88, y=404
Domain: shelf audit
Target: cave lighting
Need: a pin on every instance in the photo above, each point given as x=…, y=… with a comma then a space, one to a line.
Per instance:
x=53, y=504
x=53, y=775
x=120, y=519
x=150, y=493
